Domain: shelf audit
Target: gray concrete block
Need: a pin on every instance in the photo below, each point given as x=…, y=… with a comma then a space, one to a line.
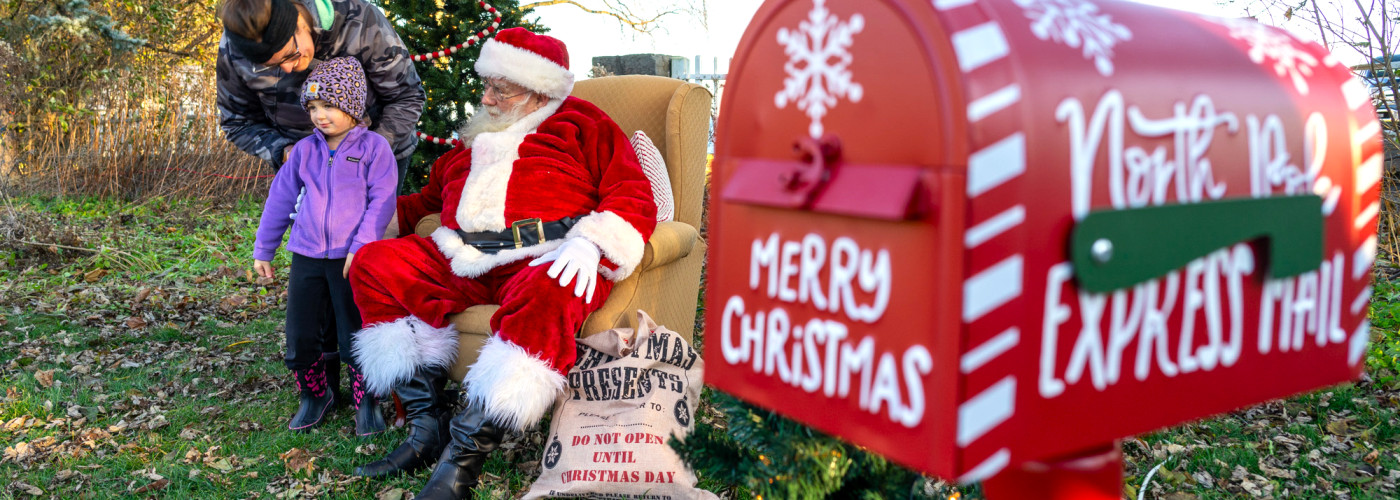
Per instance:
x=637, y=64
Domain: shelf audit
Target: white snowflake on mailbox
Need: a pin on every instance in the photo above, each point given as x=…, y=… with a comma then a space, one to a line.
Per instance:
x=818, y=60
x=1267, y=44
x=1077, y=23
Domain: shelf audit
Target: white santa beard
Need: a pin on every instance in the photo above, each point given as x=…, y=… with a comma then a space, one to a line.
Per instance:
x=490, y=119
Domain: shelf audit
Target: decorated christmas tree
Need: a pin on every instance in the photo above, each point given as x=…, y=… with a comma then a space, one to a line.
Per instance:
x=432, y=27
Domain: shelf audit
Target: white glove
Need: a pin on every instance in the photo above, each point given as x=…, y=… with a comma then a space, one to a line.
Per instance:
x=297, y=208
x=577, y=257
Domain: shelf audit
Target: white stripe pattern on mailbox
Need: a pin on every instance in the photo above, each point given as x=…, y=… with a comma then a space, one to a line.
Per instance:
x=986, y=410
x=998, y=224
x=993, y=165
x=990, y=349
x=1354, y=91
x=1366, y=147
x=980, y=45
x=1367, y=215
x=990, y=289
x=993, y=102
x=988, y=468
x=1361, y=299
x=996, y=228
x=1368, y=174
x=951, y=4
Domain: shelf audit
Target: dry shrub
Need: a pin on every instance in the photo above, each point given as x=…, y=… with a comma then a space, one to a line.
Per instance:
x=134, y=140
x=1388, y=237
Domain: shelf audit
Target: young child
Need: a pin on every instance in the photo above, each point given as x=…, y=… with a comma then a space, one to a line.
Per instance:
x=345, y=176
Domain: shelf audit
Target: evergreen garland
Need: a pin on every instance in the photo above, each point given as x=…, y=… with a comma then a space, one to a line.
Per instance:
x=777, y=458
x=451, y=83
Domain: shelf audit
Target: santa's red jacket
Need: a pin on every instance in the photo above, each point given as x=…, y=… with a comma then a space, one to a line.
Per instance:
x=564, y=160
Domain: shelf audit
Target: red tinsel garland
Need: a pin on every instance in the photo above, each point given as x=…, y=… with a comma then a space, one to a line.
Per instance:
x=448, y=52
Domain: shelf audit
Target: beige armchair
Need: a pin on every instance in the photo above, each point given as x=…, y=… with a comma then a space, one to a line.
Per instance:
x=676, y=116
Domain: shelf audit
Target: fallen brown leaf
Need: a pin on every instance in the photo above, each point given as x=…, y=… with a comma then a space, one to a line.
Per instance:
x=1372, y=457
x=154, y=486
x=232, y=302
x=390, y=494
x=135, y=322
x=44, y=377
x=1180, y=496
x=142, y=295
x=297, y=459
x=1276, y=472
x=264, y=281
x=222, y=465
x=1338, y=427
x=30, y=489
x=94, y=275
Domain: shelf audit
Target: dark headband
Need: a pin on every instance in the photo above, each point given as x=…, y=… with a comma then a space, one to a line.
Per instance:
x=281, y=25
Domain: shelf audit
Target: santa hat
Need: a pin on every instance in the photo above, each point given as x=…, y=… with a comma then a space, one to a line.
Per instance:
x=537, y=62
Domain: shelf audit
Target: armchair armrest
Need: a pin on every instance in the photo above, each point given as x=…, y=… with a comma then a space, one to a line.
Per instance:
x=671, y=241
x=427, y=225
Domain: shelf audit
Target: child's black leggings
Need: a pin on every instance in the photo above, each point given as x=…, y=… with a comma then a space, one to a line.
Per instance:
x=321, y=312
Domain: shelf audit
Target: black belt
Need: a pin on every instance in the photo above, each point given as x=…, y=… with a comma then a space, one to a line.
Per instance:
x=522, y=233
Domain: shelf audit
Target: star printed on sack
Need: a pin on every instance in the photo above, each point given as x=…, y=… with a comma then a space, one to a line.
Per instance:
x=818, y=64
x=1077, y=23
x=1270, y=44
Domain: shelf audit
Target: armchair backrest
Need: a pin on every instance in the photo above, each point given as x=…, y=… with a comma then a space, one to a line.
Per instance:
x=674, y=114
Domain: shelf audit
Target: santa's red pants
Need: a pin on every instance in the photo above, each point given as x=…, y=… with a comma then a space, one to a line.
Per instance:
x=393, y=279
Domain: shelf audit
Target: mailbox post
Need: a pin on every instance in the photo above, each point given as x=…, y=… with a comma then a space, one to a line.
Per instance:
x=989, y=238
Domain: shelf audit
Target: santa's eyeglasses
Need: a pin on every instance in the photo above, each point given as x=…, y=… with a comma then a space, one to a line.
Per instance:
x=495, y=89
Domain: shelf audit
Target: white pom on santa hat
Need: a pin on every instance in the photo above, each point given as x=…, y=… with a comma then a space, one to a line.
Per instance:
x=537, y=62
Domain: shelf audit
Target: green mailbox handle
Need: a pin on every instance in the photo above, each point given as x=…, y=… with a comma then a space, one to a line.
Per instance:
x=1116, y=249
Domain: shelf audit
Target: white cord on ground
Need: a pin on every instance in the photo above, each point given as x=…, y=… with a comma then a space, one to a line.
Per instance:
x=1143, y=490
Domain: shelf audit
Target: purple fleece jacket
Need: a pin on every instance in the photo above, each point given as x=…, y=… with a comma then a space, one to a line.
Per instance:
x=349, y=198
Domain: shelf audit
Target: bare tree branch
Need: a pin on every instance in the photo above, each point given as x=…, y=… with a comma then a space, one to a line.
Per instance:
x=625, y=16
x=644, y=21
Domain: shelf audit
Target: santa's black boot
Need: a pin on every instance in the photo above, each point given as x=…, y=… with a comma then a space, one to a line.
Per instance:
x=317, y=400
x=474, y=437
x=368, y=419
x=426, y=404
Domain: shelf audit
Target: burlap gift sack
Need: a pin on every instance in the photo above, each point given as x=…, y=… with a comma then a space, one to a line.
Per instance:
x=628, y=393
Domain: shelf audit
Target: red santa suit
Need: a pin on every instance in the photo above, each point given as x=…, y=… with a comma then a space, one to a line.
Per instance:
x=567, y=159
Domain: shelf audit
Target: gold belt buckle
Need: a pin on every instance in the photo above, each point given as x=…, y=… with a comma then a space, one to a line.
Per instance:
x=515, y=229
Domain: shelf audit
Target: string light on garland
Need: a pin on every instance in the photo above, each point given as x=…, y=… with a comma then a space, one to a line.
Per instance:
x=479, y=37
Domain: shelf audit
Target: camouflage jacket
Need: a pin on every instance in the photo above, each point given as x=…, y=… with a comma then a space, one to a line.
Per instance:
x=259, y=108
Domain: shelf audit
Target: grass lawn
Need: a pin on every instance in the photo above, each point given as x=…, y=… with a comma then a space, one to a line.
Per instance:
x=142, y=360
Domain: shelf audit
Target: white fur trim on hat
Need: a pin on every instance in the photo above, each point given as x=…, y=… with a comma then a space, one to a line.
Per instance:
x=620, y=242
x=390, y=352
x=515, y=387
x=534, y=72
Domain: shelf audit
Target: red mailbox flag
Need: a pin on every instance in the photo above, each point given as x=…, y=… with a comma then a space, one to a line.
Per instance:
x=968, y=234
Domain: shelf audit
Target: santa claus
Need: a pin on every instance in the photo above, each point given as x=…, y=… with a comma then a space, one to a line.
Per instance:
x=544, y=207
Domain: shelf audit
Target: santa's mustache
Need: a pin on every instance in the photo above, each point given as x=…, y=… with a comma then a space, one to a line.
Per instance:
x=486, y=119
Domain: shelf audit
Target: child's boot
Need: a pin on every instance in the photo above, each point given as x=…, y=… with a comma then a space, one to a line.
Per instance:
x=316, y=398
x=368, y=419
x=331, y=360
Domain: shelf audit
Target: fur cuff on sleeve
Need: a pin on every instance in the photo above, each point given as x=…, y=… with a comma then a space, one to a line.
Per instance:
x=620, y=242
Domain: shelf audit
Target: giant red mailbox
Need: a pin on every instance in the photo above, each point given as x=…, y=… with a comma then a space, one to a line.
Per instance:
x=972, y=234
